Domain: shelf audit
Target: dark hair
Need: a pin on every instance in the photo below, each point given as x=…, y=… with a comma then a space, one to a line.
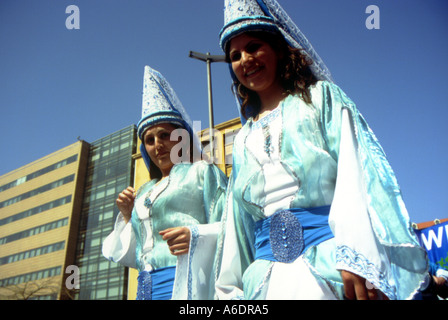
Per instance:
x=295, y=73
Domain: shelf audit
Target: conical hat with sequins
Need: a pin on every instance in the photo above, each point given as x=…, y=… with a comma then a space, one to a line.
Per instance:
x=160, y=104
x=267, y=15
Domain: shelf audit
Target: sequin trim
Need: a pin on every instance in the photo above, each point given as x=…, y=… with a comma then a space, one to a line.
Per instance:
x=268, y=147
x=148, y=202
x=267, y=119
x=286, y=236
x=194, y=242
x=144, y=289
x=263, y=123
x=347, y=258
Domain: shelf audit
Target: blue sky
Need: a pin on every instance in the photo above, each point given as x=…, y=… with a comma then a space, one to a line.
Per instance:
x=57, y=84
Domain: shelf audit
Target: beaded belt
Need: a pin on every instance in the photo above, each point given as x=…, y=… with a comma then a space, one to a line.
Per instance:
x=156, y=285
x=285, y=235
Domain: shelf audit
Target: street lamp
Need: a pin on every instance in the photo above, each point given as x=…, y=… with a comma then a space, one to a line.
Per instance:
x=208, y=58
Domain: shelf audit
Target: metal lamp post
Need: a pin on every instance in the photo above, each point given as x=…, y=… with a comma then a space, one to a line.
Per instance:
x=208, y=58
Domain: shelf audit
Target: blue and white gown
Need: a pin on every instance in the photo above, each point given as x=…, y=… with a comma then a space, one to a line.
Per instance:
x=192, y=195
x=311, y=193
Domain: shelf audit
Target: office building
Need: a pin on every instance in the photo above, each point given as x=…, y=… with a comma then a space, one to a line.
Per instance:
x=40, y=205
x=54, y=214
x=109, y=171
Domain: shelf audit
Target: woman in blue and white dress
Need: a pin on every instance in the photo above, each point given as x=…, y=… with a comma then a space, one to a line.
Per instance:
x=314, y=210
x=168, y=229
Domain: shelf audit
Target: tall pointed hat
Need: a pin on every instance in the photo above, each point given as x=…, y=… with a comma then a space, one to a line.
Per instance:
x=267, y=15
x=160, y=104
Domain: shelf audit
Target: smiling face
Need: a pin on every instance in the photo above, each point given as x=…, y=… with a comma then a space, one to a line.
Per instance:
x=158, y=145
x=254, y=63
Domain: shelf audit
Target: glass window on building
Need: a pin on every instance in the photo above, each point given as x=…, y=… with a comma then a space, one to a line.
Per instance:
x=110, y=169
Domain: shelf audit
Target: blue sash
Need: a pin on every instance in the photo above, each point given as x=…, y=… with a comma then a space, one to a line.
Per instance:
x=286, y=234
x=157, y=284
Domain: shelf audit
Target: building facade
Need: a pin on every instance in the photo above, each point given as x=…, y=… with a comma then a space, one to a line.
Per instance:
x=54, y=215
x=40, y=205
x=110, y=169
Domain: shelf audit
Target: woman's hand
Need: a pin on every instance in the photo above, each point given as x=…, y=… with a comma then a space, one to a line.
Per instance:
x=125, y=203
x=178, y=239
x=358, y=288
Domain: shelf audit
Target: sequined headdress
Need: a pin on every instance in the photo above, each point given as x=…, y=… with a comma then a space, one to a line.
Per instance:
x=267, y=15
x=160, y=104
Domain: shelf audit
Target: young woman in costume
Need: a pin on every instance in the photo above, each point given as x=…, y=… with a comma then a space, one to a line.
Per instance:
x=314, y=209
x=168, y=228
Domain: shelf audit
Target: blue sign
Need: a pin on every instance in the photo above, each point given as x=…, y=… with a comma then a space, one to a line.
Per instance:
x=435, y=240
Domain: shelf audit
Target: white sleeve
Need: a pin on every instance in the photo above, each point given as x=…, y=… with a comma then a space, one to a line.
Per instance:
x=357, y=248
x=195, y=271
x=229, y=283
x=119, y=246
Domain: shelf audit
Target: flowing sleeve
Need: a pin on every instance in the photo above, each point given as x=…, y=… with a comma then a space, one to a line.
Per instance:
x=195, y=271
x=371, y=225
x=236, y=243
x=120, y=244
x=229, y=284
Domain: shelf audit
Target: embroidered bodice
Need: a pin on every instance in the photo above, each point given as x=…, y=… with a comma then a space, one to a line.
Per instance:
x=264, y=141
